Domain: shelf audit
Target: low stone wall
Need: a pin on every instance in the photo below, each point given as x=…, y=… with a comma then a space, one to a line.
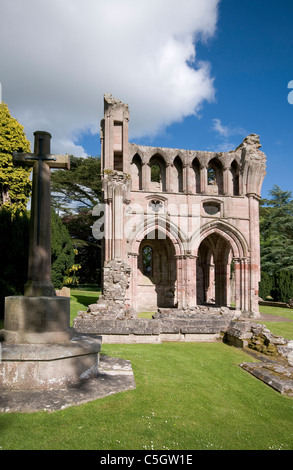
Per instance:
x=275, y=353
x=205, y=328
x=274, y=304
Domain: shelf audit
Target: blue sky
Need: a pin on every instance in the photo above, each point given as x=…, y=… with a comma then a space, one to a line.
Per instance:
x=251, y=57
x=197, y=74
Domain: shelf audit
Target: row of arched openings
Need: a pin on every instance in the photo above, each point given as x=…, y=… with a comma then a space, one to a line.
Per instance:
x=158, y=175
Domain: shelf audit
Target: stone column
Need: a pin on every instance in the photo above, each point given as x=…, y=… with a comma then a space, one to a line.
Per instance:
x=253, y=201
x=180, y=287
x=190, y=280
x=186, y=171
x=203, y=179
x=144, y=174
x=238, y=284
x=168, y=178
x=133, y=261
x=227, y=187
x=147, y=177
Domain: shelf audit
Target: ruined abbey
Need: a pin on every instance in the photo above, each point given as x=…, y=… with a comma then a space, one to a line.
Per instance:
x=180, y=228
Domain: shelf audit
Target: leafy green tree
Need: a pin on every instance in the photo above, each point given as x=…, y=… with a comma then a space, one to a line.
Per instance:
x=62, y=250
x=276, y=230
x=15, y=185
x=79, y=187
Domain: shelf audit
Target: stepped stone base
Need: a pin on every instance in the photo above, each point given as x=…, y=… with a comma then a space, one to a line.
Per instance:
x=39, y=350
x=114, y=376
x=52, y=366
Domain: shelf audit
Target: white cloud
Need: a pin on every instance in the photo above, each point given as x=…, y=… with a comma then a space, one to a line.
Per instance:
x=226, y=135
x=58, y=58
x=226, y=131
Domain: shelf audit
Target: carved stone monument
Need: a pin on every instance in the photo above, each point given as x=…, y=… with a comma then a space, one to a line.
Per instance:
x=40, y=350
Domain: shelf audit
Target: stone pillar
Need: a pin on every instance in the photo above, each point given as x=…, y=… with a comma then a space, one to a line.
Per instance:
x=186, y=183
x=144, y=175
x=133, y=261
x=238, y=284
x=253, y=201
x=116, y=187
x=203, y=179
x=180, y=287
x=168, y=178
x=147, y=177
x=190, y=280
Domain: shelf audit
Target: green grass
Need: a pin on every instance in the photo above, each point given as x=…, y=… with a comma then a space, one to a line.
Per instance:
x=80, y=299
x=190, y=396
x=187, y=397
x=284, y=329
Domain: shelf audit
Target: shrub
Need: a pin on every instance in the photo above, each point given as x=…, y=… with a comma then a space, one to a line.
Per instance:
x=283, y=286
x=266, y=285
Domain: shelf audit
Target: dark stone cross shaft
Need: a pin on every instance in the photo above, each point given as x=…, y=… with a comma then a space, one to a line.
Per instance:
x=39, y=263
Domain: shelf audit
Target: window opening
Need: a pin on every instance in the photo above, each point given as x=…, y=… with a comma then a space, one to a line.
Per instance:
x=211, y=176
x=147, y=261
x=155, y=173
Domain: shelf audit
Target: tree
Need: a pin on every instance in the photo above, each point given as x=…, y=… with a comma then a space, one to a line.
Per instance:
x=282, y=290
x=88, y=248
x=14, y=242
x=266, y=285
x=75, y=193
x=276, y=230
x=62, y=251
x=79, y=187
x=15, y=185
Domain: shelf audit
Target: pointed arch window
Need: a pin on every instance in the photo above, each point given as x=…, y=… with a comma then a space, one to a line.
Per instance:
x=147, y=261
x=211, y=176
x=156, y=173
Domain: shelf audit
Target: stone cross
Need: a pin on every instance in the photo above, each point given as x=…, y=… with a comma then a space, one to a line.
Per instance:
x=39, y=263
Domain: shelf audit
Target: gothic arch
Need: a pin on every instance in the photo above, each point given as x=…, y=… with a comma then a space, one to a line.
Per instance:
x=136, y=172
x=235, y=176
x=215, y=174
x=232, y=235
x=178, y=174
x=165, y=228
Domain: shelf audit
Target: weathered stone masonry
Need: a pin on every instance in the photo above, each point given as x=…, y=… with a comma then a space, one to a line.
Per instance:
x=181, y=239
x=185, y=223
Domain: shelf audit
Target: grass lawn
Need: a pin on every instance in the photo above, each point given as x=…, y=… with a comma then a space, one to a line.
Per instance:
x=188, y=397
x=284, y=329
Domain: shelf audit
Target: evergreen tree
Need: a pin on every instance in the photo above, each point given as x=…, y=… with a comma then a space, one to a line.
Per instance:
x=282, y=290
x=88, y=248
x=14, y=242
x=15, y=185
x=266, y=285
x=62, y=251
x=276, y=230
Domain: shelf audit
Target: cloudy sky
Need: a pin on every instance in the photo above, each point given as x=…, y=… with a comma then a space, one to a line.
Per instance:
x=197, y=74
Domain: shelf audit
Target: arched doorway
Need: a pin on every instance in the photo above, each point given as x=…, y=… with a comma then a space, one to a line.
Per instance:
x=214, y=271
x=156, y=273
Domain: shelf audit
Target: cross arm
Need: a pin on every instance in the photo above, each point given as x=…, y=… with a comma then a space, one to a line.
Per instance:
x=53, y=161
x=59, y=161
x=23, y=159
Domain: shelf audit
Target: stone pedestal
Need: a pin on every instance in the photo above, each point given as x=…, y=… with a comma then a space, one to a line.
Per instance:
x=52, y=366
x=40, y=351
x=37, y=320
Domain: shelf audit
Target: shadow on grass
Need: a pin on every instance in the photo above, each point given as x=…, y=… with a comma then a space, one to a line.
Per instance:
x=86, y=300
